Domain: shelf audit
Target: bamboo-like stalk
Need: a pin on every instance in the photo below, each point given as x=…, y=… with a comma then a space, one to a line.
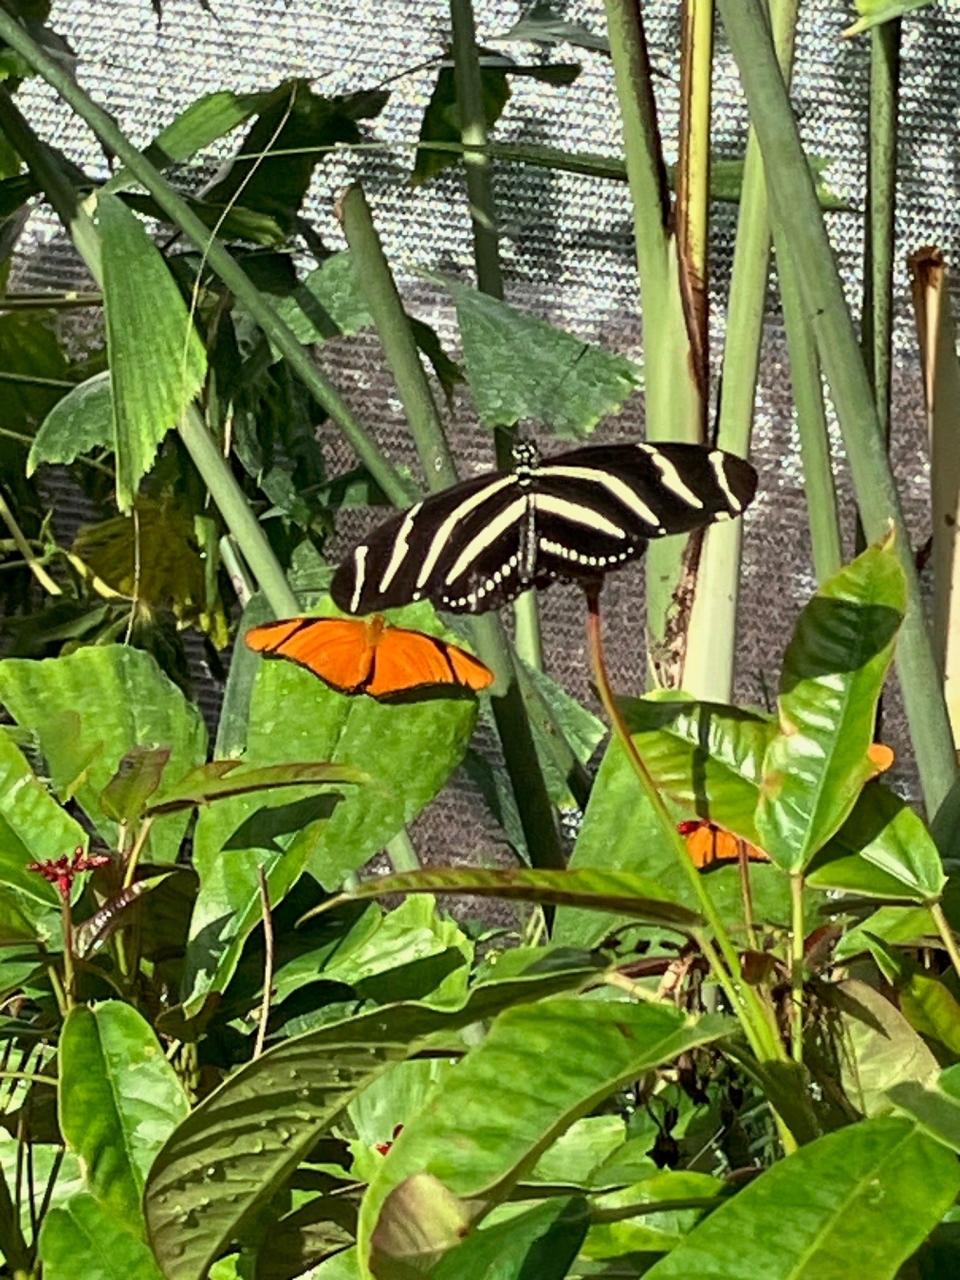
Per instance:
x=675, y=404
x=710, y=665
x=807, y=385
x=876, y=325
x=486, y=253
x=797, y=213
x=393, y=327
x=217, y=257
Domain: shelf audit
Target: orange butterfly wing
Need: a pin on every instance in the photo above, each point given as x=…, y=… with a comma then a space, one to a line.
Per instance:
x=338, y=650
x=409, y=660
x=368, y=656
x=707, y=844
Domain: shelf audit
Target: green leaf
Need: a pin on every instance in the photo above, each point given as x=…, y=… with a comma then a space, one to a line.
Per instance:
x=870, y=1192
x=88, y=710
x=539, y=1242
x=873, y=12
x=833, y=673
x=199, y=124
x=86, y=1238
x=544, y=25
x=647, y=1231
x=521, y=367
x=157, y=362
x=79, y=423
x=935, y=1107
x=441, y=119
x=33, y=822
x=303, y=1237
x=221, y=779
x=876, y=1047
x=630, y=894
x=407, y=749
x=926, y=1003
x=883, y=850
x=119, y=1101
x=138, y=775
x=477, y=1150
x=897, y=925
x=240, y=1145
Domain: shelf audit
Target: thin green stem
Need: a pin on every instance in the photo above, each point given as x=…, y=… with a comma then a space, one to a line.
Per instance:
x=710, y=665
x=403, y=854
x=486, y=253
x=32, y=1077
x=716, y=945
x=133, y=858
x=947, y=934
x=66, y=924
x=268, y=959
x=56, y=985
x=32, y=561
x=217, y=257
x=392, y=323
x=807, y=385
x=796, y=966
x=876, y=326
x=798, y=214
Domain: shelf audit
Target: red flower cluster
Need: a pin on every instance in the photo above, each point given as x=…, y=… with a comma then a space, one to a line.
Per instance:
x=63, y=871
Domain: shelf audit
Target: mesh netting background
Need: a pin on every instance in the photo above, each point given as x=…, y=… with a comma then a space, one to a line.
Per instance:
x=566, y=242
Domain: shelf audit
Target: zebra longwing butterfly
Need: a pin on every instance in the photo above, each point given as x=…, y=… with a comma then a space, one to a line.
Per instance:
x=572, y=517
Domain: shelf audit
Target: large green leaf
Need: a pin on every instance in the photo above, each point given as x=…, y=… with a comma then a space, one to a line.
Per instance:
x=541, y=1241
x=833, y=673
x=80, y=422
x=407, y=749
x=625, y=892
x=86, y=1238
x=119, y=1101
x=157, y=362
x=856, y=1202
x=648, y=1231
x=33, y=828
x=539, y=1069
x=521, y=367
x=88, y=710
x=242, y=1143
x=873, y=12
x=935, y=1106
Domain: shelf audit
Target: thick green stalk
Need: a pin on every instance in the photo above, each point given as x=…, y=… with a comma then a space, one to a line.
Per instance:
x=710, y=665
x=675, y=405
x=797, y=213
x=217, y=257
x=393, y=326
x=217, y=476
x=876, y=326
x=486, y=253
x=807, y=384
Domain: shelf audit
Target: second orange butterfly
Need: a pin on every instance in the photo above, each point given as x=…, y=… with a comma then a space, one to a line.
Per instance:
x=367, y=655
x=708, y=844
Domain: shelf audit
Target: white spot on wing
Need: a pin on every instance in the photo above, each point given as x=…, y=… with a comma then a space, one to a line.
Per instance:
x=359, y=575
x=401, y=545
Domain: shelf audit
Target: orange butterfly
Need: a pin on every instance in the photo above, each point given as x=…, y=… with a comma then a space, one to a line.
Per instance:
x=708, y=844
x=367, y=655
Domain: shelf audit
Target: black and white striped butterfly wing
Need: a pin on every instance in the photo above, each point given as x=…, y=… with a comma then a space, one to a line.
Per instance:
x=445, y=549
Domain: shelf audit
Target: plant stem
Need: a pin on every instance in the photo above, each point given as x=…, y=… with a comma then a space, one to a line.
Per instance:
x=743, y=999
x=798, y=214
x=133, y=859
x=218, y=258
x=796, y=966
x=66, y=924
x=393, y=328
x=33, y=1077
x=402, y=853
x=23, y=546
x=267, y=963
x=746, y=894
x=947, y=934
x=710, y=666
x=876, y=326
x=807, y=386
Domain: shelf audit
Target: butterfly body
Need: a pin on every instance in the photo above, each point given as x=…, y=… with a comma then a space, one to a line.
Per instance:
x=573, y=517
x=368, y=655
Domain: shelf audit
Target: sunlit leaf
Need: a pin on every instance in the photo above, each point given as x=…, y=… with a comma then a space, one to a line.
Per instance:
x=138, y=775
x=873, y=12
x=870, y=1192
x=833, y=673
x=477, y=1149
x=240, y=1145
x=86, y=1238
x=88, y=710
x=79, y=423
x=119, y=1101
x=223, y=778
x=519, y=366
x=157, y=362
